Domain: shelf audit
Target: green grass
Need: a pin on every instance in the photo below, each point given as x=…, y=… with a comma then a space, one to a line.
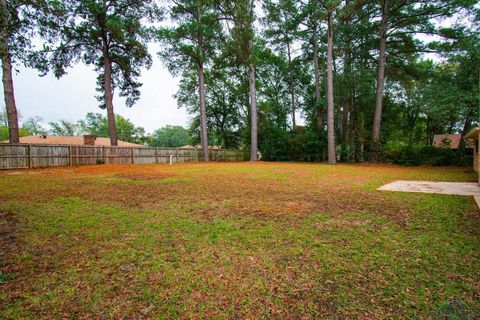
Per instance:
x=213, y=244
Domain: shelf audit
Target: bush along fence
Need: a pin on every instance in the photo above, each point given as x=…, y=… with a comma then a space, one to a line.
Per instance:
x=24, y=156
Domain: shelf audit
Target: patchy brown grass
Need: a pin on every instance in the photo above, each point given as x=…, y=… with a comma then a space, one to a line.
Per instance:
x=233, y=240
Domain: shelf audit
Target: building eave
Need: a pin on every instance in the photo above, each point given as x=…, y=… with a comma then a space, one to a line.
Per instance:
x=472, y=134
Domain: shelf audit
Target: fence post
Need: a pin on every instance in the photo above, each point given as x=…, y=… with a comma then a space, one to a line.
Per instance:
x=156, y=155
x=195, y=154
x=132, y=155
x=176, y=153
x=30, y=156
x=70, y=155
x=105, y=160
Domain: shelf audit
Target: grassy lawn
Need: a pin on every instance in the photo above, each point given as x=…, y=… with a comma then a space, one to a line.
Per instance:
x=265, y=240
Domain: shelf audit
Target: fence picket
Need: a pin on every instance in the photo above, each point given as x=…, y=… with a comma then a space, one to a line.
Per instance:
x=16, y=156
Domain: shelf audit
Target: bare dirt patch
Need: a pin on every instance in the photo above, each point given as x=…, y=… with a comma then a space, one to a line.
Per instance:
x=153, y=176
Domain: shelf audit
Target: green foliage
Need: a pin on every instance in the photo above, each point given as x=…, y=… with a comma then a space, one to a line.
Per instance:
x=192, y=42
x=220, y=39
x=65, y=128
x=4, y=133
x=33, y=126
x=4, y=277
x=22, y=22
x=303, y=144
x=96, y=124
x=416, y=104
x=91, y=30
x=170, y=136
x=420, y=155
x=3, y=117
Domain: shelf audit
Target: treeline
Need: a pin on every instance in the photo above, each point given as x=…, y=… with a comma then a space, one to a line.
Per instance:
x=97, y=125
x=355, y=72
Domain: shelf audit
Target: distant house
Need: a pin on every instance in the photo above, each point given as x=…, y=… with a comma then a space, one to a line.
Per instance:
x=448, y=141
x=74, y=141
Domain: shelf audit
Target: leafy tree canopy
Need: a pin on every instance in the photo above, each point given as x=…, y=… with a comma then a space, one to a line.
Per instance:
x=171, y=136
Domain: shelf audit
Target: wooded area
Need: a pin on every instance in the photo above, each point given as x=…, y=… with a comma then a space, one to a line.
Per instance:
x=348, y=80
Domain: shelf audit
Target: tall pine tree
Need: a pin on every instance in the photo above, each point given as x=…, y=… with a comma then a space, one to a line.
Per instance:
x=190, y=45
x=111, y=35
x=18, y=26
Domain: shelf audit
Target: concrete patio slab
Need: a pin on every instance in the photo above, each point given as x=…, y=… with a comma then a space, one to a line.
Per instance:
x=453, y=188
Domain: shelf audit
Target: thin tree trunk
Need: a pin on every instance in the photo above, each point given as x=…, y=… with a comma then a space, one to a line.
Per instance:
x=253, y=104
x=316, y=71
x=292, y=85
x=352, y=128
x=107, y=86
x=330, y=110
x=346, y=109
x=203, y=112
x=377, y=121
x=201, y=88
x=226, y=142
x=466, y=128
x=348, y=99
x=361, y=138
x=427, y=131
x=345, y=127
x=8, y=91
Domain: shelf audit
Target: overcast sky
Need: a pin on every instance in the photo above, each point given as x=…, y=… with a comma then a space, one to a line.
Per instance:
x=73, y=95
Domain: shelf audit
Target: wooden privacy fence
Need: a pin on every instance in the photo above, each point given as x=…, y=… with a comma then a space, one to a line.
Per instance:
x=23, y=156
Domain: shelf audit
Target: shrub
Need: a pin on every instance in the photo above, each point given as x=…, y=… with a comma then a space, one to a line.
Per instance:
x=421, y=155
x=303, y=144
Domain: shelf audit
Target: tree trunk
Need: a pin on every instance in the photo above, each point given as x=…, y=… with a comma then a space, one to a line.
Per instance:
x=316, y=71
x=377, y=121
x=352, y=129
x=347, y=116
x=330, y=111
x=107, y=86
x=201, y=87
x=292, y=85
x=226, y=141
x=345, y=127
x=346, y=111
x=427, y=131
x=361, y=136
x=466, y=128
x=8, y=92
x=253, y=104
x=203, y=112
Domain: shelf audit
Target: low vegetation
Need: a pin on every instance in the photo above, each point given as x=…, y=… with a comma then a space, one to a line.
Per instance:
x=253, y=240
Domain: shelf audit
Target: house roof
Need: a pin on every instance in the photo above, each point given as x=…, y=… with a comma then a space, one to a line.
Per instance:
x=473, y=134
x=67, y=140
x=200, y=147
x=451, y=141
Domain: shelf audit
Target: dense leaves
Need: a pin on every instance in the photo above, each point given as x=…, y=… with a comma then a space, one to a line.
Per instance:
x=170, y=136
x=418, y=100
x=88, y=30
x=401, y=71
x=96, y=124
